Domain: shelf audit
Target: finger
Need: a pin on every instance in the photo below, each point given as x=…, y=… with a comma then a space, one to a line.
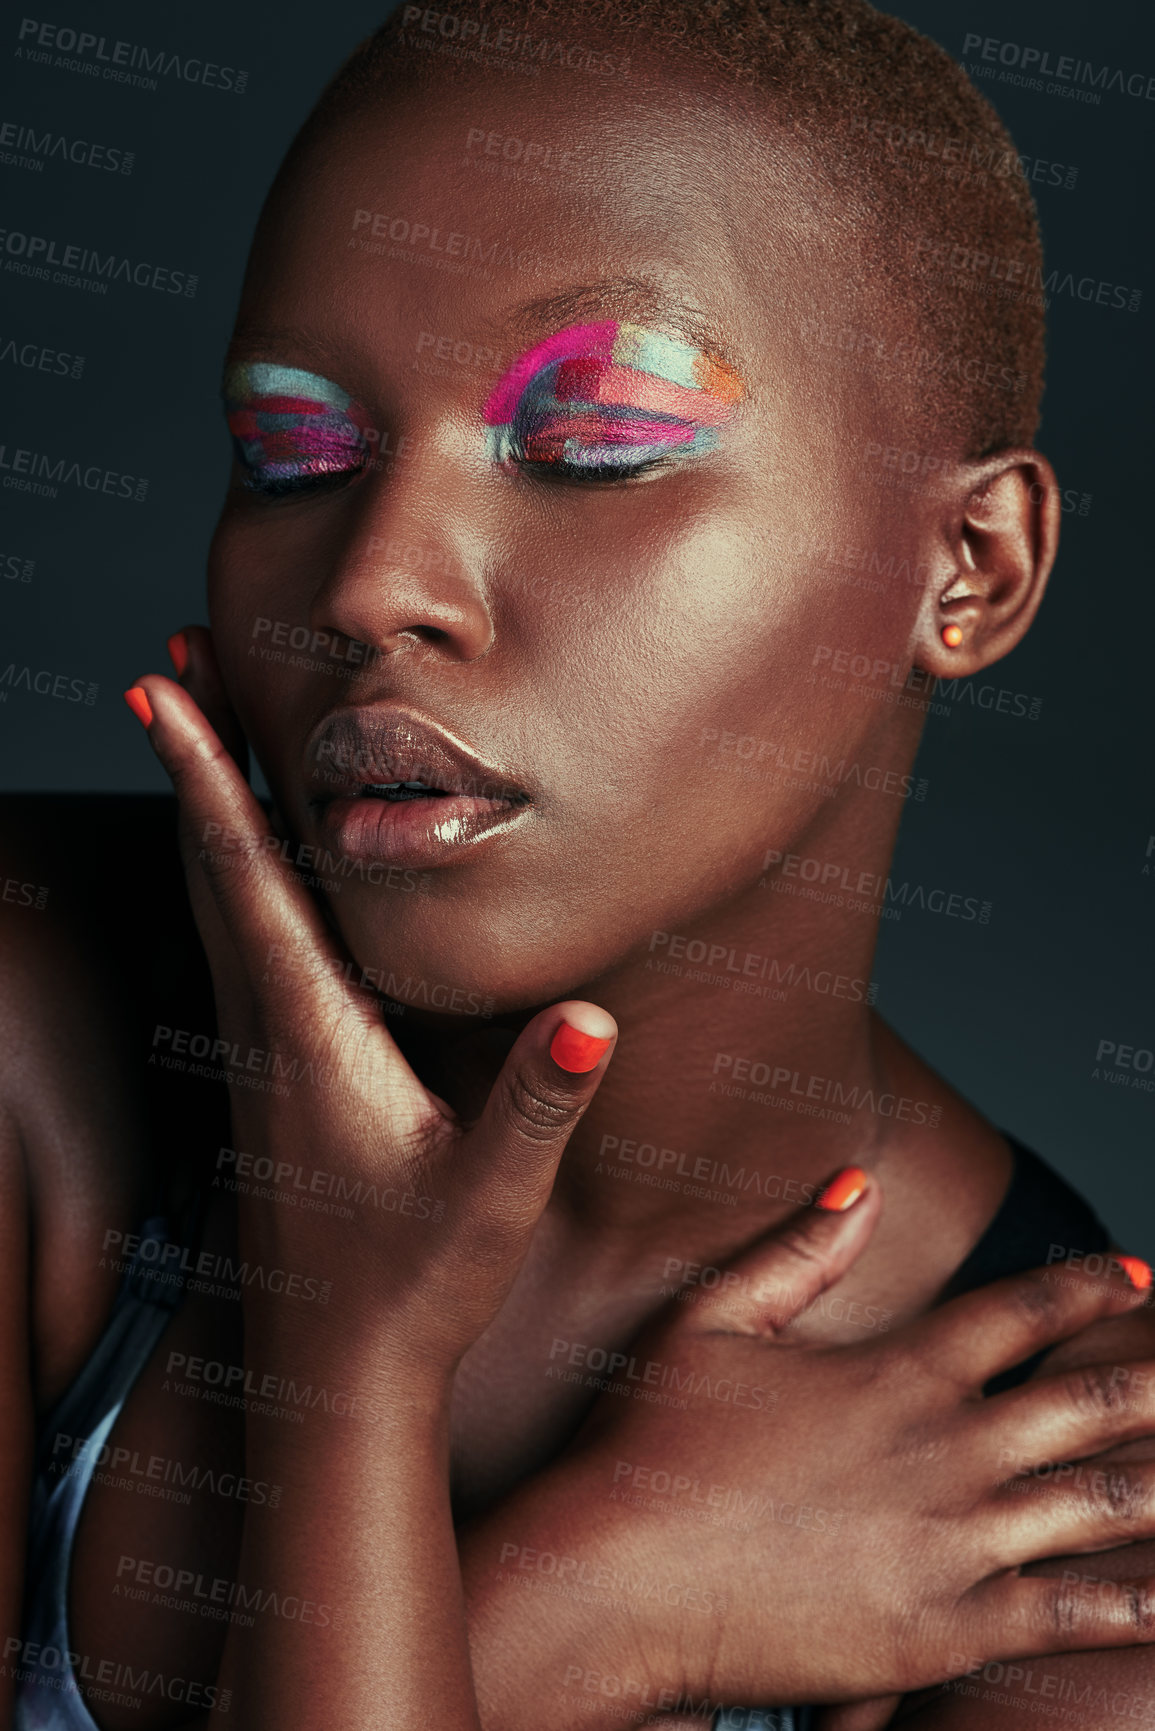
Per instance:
x=858, y=1715
x=770, y=1285
x=973, y=1338
x=1027, y=1616
x=225, y=829
x=1078, y=1506
x=270, y=923
x=547, y=1081
x=1066, y=1416
x=195, y=662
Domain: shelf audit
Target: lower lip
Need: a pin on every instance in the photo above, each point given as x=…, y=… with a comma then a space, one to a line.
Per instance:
x=416, y=832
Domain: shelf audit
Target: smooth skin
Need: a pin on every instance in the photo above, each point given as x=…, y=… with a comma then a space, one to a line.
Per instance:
x=590, y=639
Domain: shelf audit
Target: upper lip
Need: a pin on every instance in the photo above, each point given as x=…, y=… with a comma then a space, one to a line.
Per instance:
x=375, y=743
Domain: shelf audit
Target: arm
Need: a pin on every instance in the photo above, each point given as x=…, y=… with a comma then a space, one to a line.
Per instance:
x=832, y=1459
x=363, y=1520
x=363, y=1526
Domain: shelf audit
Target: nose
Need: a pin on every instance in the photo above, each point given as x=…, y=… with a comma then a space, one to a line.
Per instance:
x=410, y=574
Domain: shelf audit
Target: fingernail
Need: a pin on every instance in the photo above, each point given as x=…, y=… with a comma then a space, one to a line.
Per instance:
x=178, y=649
x=572, y=1050
x=137, y=699
x=1137, y=1271
x=843, y=1190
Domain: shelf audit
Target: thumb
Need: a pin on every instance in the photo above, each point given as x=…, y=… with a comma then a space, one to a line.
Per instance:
x=548, y=1079
x=765, y=1288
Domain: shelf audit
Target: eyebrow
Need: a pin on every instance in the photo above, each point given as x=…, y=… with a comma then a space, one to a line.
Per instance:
x=253, y=342
x=632, y=299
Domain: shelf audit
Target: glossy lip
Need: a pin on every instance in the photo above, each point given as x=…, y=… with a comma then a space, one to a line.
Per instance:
x=357, y=748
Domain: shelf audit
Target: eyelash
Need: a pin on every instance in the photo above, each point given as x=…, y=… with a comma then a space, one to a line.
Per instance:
x=590, y=474
x=279, y=487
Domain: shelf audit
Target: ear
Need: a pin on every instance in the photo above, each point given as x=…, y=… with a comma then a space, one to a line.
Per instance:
x=990, y=577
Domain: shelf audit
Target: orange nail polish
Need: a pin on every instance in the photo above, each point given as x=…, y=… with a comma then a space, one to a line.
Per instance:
x=843, y=1190
x=1137, y=1271
x=178, y=649
x=137, y=699
x=572, y=1050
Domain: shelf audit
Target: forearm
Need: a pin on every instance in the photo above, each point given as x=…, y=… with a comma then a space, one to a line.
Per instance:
x=362, y=1533
x=554, y=1643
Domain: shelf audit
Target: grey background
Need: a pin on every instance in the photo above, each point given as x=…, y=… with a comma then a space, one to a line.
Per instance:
x=1048, y=820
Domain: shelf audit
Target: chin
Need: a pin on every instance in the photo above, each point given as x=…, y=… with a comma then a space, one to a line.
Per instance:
x=442, y=962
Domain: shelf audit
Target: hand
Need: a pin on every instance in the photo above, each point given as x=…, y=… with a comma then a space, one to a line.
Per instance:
x=438, y=1264
x=834, y=1523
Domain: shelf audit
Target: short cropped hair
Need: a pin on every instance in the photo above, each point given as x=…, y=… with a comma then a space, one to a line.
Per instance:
x=934, y=188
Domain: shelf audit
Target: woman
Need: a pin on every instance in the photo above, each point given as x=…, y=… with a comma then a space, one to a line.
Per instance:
x=522, y=597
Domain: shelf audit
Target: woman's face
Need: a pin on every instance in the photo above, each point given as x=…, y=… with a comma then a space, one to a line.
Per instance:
x=597, y=630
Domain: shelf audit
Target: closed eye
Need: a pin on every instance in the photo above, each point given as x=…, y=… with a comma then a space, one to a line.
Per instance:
x=294, y=432
x=589, y=443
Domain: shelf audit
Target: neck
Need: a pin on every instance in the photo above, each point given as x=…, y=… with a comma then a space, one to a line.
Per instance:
x=750, y=1065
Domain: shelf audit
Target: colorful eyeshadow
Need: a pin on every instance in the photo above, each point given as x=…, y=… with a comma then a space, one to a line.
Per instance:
x=609, y=395
x=290, y=425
